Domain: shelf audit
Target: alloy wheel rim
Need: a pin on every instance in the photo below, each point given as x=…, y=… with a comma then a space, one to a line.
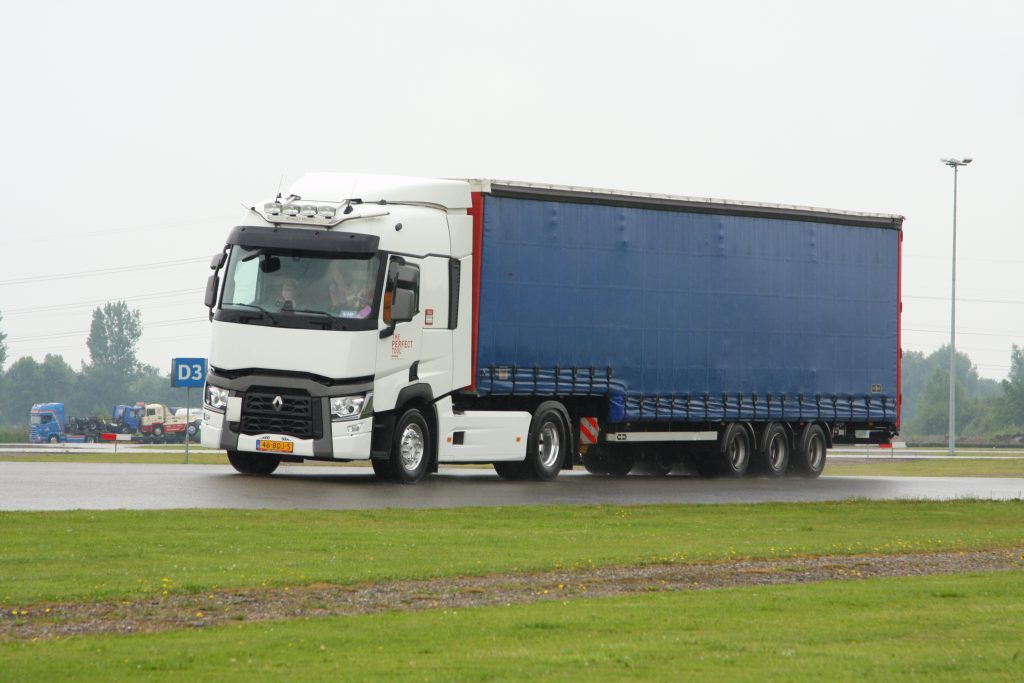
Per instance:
x=548, y=444
x=411, y=447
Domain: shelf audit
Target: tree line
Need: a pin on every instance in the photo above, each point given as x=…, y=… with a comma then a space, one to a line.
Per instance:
x=113, y=374
x=987, y=411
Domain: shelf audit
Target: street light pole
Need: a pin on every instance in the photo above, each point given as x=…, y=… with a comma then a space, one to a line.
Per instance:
x=955, y=164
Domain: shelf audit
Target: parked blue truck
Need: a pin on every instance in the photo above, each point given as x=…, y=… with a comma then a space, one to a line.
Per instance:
x=539, y=327
x=50, y=424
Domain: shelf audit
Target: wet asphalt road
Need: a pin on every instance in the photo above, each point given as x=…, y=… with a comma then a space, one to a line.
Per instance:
x=69, y=486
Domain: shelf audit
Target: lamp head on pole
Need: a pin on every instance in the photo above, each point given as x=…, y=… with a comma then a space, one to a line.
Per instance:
x=953, y=163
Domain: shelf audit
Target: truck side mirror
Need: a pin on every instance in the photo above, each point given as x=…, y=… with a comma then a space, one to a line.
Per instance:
x=212, y=283
x=217, y=261
x=408, y=277
x=403, y=307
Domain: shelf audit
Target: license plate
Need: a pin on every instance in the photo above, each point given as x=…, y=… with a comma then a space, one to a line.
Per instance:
x=275, y=446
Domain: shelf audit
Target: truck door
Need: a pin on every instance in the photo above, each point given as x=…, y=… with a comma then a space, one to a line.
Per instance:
x=401, y=330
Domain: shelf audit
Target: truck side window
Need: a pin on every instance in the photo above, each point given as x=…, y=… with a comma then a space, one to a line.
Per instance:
x=399, y=265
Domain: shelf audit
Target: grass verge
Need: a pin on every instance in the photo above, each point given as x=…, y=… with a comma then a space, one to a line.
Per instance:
x=89, y=555
x=960, y=627
x=883, y=467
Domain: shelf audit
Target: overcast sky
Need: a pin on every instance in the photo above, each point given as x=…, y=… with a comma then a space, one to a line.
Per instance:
x=132, y=131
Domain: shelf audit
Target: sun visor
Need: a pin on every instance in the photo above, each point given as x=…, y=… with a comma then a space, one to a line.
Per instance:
x=306, y=240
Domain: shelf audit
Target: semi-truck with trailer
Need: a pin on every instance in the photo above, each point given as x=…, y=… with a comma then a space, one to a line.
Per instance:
x=49, y=423
x=413, y=322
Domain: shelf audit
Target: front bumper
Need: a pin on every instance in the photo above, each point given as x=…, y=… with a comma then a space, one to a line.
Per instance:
x=349, y=440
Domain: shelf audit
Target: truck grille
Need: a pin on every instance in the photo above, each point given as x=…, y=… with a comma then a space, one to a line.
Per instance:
x=297, y=415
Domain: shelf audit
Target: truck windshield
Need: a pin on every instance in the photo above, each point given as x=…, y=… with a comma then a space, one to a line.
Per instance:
x=292, y=288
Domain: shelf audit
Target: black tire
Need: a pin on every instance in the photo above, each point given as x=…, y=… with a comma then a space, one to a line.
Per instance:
x=381, y=468
x=547, y=443
x=410, y=448
x=621, y=463
x=734, y=451
x=54, y=438
x=660, y=463
x=253, y=463
x=773, y=455
x=192, y=429
x=593, y=462
x=809, y=459
x=158, y=432
x=125, y=429
x=90, y=439
x=609, y=459
x=510, y=471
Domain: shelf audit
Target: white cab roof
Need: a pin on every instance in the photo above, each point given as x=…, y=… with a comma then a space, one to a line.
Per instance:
x=339, y=187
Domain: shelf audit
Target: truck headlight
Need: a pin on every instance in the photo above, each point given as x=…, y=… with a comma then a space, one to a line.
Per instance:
x=351, y=407
x=215, y=398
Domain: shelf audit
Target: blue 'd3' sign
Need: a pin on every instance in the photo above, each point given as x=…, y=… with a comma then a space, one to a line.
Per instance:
x=188, y=372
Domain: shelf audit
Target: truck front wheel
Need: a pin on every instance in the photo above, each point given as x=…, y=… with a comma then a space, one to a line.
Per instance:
x=410, y=449
x=54, y=438
x=248, y=463
x=547, y=444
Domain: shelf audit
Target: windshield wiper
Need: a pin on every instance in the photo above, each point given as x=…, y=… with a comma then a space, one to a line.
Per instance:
x=328, y=318
x=263, y=312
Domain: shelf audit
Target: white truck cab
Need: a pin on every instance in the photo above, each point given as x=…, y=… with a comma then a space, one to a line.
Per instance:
x=341, y=327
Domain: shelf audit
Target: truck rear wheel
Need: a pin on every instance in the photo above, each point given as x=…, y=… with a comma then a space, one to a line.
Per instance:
x=547, y=443
x=809, y=459
x=410, y=449
x=610, y=459
x=249, y=463
x=773, y=456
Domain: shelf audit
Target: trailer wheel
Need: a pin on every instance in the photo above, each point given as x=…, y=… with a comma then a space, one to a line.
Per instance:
x=248, y=463
x=734, y=458
x=773, y=457
x=659, y=462
x=809, y=459
x=410, y=449
x=547, y=443
x=510, y=471
x=609, y=459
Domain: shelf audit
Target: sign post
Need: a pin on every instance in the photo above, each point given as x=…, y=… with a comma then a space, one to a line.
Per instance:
x=188, y=373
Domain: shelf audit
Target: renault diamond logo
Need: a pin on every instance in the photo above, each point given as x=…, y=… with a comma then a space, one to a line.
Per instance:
x=277, y=403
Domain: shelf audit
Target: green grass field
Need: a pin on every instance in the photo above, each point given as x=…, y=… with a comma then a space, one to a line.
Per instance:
x=88, y=555
x=959, y=627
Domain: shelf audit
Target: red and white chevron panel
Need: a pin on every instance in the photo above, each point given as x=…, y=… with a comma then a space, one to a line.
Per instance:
x=588, y=430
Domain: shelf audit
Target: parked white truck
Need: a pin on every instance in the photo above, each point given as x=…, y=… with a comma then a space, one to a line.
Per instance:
x=412, y=322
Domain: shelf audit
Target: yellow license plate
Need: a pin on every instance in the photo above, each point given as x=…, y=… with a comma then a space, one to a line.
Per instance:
x=276, y=446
